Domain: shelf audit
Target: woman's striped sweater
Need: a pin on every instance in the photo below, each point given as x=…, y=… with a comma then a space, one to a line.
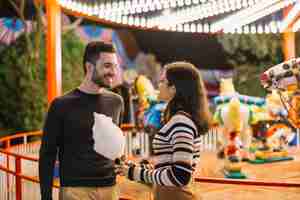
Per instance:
x=176, y=151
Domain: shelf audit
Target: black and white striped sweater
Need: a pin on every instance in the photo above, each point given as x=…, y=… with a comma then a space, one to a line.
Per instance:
x=176, y=151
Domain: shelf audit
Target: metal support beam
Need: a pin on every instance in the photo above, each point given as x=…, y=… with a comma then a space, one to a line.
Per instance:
x=288, y=39
x=53, y=41
x=288, y=45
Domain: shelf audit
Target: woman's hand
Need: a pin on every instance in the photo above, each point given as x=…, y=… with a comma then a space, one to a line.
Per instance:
x=122, y=169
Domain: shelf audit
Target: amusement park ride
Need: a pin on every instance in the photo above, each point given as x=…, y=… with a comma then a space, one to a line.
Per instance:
x=285, y=79
x=274, y=121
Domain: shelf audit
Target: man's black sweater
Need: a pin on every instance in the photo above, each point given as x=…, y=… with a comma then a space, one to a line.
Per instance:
x=68, y=132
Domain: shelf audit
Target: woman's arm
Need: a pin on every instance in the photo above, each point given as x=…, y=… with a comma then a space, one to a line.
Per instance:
x=177, y=173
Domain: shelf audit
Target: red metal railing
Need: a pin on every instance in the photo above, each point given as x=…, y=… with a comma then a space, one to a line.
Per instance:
x=14, y=176
x=264, y=183
x=11, y=165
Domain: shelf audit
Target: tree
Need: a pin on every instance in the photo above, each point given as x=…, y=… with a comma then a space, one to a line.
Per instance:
x=23, y=75
x=251, y=54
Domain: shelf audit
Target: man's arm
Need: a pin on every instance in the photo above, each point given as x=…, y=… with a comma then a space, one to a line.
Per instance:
x=48, y=150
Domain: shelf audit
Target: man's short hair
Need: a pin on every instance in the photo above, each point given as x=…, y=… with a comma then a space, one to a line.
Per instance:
x=93, y=50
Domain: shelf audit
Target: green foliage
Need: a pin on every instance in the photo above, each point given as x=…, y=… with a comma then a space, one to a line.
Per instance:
x=251, y=54
x=23, y=86
x=18, y=87
x=72, y=55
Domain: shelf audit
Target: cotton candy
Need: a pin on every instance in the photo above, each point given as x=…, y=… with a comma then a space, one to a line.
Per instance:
x=108, y=137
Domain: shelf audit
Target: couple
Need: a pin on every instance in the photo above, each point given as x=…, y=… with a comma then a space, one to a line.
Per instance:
x=68, y=132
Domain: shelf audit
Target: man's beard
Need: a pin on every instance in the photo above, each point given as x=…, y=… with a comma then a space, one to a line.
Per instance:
x=99, y=80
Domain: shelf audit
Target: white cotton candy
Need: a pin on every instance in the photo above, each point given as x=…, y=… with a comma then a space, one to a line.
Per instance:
x=109, y=139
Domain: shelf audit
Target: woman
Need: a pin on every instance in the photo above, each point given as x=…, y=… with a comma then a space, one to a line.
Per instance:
x=176, y=145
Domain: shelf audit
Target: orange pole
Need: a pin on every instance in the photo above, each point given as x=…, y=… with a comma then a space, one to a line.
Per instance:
x=288, y=39
x=18, y=179
x=288, y=43
x=7, y=176
x=53, y=44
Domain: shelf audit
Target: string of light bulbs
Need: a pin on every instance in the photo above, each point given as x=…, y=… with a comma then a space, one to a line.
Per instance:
x=183, y=20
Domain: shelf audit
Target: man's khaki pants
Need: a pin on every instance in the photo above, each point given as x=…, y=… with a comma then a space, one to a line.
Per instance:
x=89, y=193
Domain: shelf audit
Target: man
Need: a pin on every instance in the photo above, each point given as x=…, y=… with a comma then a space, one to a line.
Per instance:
x=68, y=131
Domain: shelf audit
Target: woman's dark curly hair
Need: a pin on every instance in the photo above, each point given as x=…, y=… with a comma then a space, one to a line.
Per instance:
x=190, y=96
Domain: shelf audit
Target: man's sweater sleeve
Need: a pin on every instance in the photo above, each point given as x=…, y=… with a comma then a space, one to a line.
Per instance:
x=48, y=151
